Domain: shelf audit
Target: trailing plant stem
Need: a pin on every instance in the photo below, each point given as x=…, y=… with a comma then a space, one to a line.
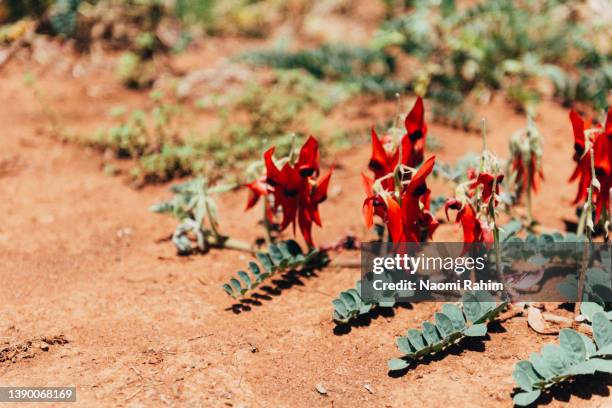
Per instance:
x=230, y=243
x=529, y=212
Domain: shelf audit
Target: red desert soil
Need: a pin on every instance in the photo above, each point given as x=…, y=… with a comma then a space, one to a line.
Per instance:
x=80, y=258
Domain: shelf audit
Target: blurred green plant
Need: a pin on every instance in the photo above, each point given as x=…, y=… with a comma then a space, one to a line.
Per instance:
x=276, y=114
x=279, y=113
x=362, y=69
x=194, y=207
x=503, y=44
x=154, y=139
x=253, y=18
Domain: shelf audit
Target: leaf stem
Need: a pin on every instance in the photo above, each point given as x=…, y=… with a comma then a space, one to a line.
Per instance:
x=589, y=233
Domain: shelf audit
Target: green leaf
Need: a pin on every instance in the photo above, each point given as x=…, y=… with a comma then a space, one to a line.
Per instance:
x=245, y=278
x=556, y=358
x=293, y=248
x=416, y=339
x=236, y=285
x=386, y=303
x=340, y=307
x=265, y=261
x=276, y=255
x=589, y=346
x=444, y=324
x=397, y=364
x=601, y=365
x=572, y=343
x=228, y=289
x=584, y=368
x=589, y=309
x=510, y=229
x=477, y=330
x=528, y=369
x=404, y=346
x=430, y=333
x=348, y=300
x=255, y=269
x=569, y=291
x=526, y=398
x=541, y=366
x=455, y=314
x=602, y=330
x=471, y=307
x=604, y=351
x=522, y=379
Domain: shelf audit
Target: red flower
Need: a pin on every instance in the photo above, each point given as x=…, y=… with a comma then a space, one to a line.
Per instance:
x=578, y=127
x=527, y=173
x=487, y=180
x=602, y=153
x=410, y=222
x=413, y=143
x=308, y=210
x=474, y=229
x=415, y=193
x=383, y=161
x=308, y=160
x=387, y=208
x=294, y=189
x=257, y=188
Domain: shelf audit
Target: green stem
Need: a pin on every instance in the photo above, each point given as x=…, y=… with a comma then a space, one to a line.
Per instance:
x=589, y=233
x=589, y=209
x=230, y=243
x=213, y=225
x=496, y=232
x=581, y=223
x=269, y=238
x=529, y=212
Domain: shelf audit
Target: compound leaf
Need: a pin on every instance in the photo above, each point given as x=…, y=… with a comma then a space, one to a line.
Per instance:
x=451, y=326
x=282, y=257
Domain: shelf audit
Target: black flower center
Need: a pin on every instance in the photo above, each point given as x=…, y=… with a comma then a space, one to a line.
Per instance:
x=579, y=149
x=416, y=135
x=375, y=166
x=420, y=190
x=306, y=171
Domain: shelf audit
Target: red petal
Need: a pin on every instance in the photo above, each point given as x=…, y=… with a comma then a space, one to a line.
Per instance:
x=320, y=193
x=378, y=161
x=578, y=127
x=272, y=172
x=256, y=188
x=421, y=174
x=368, y=184
x=305, y=227
x=453, y=204
x=394, y=220
x=368, y=212
x=308, y=160
x=416, y=127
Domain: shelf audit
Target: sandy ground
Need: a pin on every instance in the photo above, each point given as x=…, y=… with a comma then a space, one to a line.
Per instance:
x=80, y=257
